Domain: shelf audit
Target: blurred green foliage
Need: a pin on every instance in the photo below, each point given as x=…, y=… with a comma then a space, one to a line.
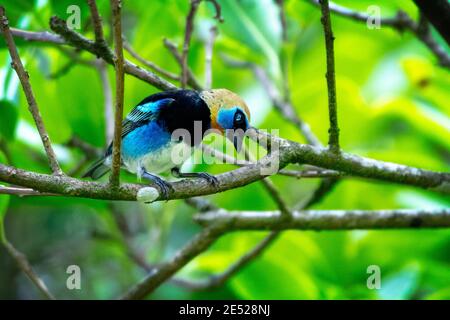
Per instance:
x=393, y=104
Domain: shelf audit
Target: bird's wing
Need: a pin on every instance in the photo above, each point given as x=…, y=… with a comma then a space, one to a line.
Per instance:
x=143, y=114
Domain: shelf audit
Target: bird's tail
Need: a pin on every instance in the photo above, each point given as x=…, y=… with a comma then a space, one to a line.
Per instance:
x=97, y=170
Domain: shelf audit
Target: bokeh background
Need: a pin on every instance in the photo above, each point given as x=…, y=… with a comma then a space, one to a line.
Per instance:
x=393, y=104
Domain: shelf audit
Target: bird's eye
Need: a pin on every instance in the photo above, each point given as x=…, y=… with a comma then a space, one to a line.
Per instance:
x=239, y=118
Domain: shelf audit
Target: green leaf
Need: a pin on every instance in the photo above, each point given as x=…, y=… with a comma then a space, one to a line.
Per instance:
x=8, y=119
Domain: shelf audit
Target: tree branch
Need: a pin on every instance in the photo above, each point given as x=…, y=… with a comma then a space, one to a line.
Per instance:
x=329, y=219
x=369, y=168
x=290, y=152
x=181, y=189
x=118, y=118
x=78, y=41
x=25, y=82
x=333, y=131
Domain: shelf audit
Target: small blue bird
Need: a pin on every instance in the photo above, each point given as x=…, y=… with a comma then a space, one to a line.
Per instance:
x=149, y=143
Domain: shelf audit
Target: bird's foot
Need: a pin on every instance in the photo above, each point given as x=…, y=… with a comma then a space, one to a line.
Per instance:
x=164, y=186
x=212, y=180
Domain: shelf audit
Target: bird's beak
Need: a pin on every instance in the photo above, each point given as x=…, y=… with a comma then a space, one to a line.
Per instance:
x=237, y=138
x=237, y=142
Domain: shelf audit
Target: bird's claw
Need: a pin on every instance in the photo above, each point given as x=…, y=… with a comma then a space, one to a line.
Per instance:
x=164, y=186
x=212, y=180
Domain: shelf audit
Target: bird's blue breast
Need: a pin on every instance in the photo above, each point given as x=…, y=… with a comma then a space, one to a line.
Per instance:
x=145, y=139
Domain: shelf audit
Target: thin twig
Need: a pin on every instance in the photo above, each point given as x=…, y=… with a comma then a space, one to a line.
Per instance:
x=90, y=151
x=333, y=131
x=276, y=196
x=118, y=64
x=223, y=157
x=189, y=28
x=209, y=55
x=32, y=104
x=23, y=264
x=97, y=23
x=201, y=204
x=218, y=9
x=149, y=64
x=43, y=36
x=172, y=47
x=22, y=192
